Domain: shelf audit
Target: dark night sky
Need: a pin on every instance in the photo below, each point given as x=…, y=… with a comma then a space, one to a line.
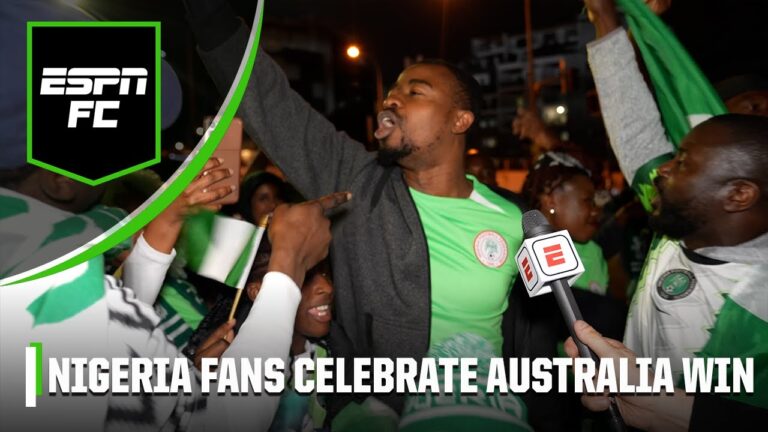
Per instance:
x=724, y=36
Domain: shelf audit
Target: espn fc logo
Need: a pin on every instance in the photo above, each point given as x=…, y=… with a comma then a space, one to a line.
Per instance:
x=93, y=97
x=92, y=81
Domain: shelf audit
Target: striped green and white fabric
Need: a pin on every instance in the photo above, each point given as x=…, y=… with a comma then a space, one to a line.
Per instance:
x=67, y=313
x=78, y=312
x=220, y=248
x=33, y=233
x=180, y=310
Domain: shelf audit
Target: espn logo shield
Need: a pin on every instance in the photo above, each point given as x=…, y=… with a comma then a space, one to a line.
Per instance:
x=546, y=258
x=93, y=98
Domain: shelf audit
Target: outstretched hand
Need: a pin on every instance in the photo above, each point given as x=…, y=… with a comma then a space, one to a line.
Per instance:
x=667, y=412
x=300, y=235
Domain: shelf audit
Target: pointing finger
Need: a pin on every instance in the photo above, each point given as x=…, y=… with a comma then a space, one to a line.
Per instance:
x=333, y=200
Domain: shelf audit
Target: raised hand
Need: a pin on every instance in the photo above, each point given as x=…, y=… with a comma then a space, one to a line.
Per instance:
x=528, y=125
x=207, y=187
x=300, y=235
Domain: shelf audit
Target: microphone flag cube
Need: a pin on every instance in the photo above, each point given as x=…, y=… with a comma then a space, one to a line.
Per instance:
x=546, y=258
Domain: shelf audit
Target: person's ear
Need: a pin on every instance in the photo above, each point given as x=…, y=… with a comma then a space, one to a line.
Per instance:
x=57, y=187
x=462, y=122
x=740, y=195
x=252, y=289
x=547, y=205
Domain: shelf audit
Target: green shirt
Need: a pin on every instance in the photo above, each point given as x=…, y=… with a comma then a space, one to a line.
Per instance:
x=595, y=276
x=472, y=242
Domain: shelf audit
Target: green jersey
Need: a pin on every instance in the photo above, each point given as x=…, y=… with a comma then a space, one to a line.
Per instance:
x=471, y=241
x=688, y=306
x=595, y=276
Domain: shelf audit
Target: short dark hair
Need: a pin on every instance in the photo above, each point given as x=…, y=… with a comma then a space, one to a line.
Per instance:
x=746, y=150
x=551, y=171
x=468, y=95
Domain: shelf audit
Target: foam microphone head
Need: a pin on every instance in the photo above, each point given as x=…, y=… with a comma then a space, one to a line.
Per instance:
x=535, y=224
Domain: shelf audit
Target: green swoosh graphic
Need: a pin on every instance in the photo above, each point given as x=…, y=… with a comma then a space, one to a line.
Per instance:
x=174, y=186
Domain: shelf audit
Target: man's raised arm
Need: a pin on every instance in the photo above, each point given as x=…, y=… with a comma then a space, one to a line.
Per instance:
x=315, y=157
x=630, y=114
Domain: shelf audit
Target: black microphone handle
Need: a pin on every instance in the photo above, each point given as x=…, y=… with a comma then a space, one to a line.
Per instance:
x=571, y=313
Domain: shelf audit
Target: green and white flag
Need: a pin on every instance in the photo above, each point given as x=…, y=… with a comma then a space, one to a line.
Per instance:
x=220, y=248
x=741, y=330
x=685, y=96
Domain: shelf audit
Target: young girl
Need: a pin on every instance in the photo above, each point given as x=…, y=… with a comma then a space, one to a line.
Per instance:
x=561, y=188
x=297, y=412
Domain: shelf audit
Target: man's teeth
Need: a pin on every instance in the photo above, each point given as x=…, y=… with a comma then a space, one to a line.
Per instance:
x=321, y=310
x=388, y=122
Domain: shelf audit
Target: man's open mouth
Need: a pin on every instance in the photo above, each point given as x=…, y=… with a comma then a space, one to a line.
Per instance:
x=388, y=121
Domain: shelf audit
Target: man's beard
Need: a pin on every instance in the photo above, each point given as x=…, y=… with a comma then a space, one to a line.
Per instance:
x=674, y=221
x=390, y=156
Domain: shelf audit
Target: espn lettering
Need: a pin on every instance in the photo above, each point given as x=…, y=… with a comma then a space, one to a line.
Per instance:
x=527, y=272
x=92, y=81
x=554, y=255
x=547, y=258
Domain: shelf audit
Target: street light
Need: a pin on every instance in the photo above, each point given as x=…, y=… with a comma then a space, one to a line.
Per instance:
x=354, y=52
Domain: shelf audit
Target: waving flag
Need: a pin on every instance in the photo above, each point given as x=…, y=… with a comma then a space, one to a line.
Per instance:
x=684, y=95
x=220, y=248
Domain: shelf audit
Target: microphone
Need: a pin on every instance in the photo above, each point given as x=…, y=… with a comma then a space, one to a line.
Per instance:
x=548, y=262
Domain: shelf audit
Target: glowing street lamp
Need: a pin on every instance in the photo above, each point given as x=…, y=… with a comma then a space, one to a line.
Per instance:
x=353, y=51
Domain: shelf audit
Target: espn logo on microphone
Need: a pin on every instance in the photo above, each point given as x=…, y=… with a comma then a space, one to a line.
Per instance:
x=546, y=258
x=526, y=268
x=93, y=97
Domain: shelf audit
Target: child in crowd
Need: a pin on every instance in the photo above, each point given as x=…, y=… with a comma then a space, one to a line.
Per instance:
x=561, y=188
x=296, y=412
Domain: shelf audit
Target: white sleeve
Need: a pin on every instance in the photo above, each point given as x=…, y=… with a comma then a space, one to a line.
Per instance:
x=267, y=332
x=631, y=116
x=144, y=270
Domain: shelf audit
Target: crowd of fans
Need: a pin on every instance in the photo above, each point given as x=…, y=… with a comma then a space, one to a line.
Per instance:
x=421, y=255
